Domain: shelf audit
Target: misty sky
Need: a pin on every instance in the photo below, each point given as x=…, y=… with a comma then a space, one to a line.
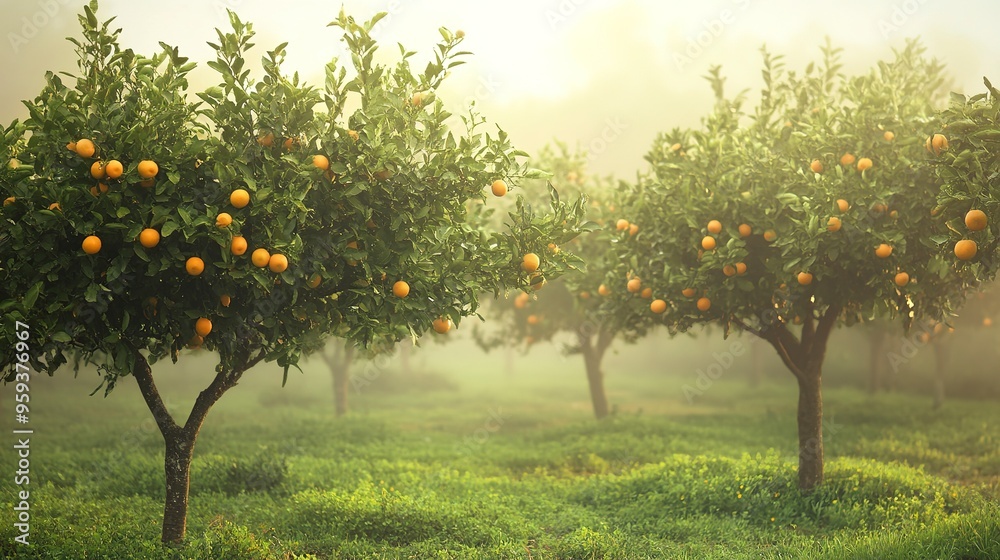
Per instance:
x=607, y=74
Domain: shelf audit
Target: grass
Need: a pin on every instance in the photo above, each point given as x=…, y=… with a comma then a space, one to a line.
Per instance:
x=463, y=460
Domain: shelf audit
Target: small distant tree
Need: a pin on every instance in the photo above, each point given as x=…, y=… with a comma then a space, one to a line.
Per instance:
x=253, y=222
x=815, y=210
x=579, y=304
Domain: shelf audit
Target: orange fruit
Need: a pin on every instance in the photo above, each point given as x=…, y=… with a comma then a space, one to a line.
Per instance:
x=847, y=159
x=646, y=293
x=621, y=225
x=9, y=200
x=708, y=243
x=149, y=238
x=266, y=140
x=833, y=224
x=91, y=244
x=966, y=249
x=239, y=198
x=85, y=148
x=260, y=258
x=889, y=136
x=530, y=262
x=883, y=251
x=936, y=144
x=843, y=205
x=97, y=170
x=864, y=164
x=585, y=295
x=93, y=191
x=741, y=268
x=114, y=169
x=290, y=143
x=315, y=280
x=55, y=207
x=633, y=229
x=354, y=135
x=194, y=266
x=277, y=263
x=321, y=162
x=729, y=270
x=770, y=235
x=987, y=322
x=441, y=325
x=71, y=146
x=704, y=304
x=225, y=300
x=714, y=226
x=223, y=220
x=816, y=166
x=634, y=286
x=688, y=292
x=499, y=188
x=894, y=214
x=203, y=326
x=195, y=342
x=238, y=246
x=521, y=301
x=533, y=319
x=902, y=279
x=745, y=230
x=975, y=220
x=658, y=306
x=537, y=281
x=879, y=208
x=805, y=278
x=147, y=169
x=604, y=290
x=400, y=289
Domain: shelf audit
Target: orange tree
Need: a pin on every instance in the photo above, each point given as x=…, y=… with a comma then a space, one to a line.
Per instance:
x=251, y=223
x=813, y=211
x=583, y=304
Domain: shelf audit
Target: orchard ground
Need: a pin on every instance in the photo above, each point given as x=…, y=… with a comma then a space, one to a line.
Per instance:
x=465, y=458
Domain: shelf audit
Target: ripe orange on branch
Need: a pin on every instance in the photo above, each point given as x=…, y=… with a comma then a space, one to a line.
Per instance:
x=239, y=198
x=864, y=164
x=658, y=306
x=91, y=244
x=441, y=325
x=708, y=243
x=704, y=304
x=238, y=245
x=745, y=230
x=400, y=289
x=622, y=224
x=816, y=166
x=149, y=238
x=147, y=169
x=223, y=220
x=194, y=266
x=260, y=258
x=321, y=162
x=97, y=170
x=966, y=249
x=902, y=279
x=833, y=224
x=203, y=326
x=714, y=226
x=805, y=278
x=883, y=251
x=975, y=220
x=847, y=159
x=277, y=263
x=499, y=188
x=634, y=285
x=84, y=148
x=530, y=262
x=114, y=169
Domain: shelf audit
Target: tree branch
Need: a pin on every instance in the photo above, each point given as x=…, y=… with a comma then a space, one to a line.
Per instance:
x=144, y=378
x=788, y=348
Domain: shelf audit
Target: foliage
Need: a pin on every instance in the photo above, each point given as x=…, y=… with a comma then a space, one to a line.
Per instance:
x=398, y=201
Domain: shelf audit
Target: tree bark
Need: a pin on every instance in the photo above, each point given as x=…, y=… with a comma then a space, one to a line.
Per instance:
x=177, y=468
x=941, y=355
x=804, y=357
x=340, y=367
x=810, y=420
x=593, y=355
x=179, y=440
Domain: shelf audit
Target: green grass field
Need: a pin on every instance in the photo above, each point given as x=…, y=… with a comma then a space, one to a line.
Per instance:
x=462, y=459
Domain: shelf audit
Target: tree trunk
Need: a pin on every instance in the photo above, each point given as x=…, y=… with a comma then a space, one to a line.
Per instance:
x=803, y=356
x=810, y=420
x=340, y=367
x=179, y=440
x=593, y=355
x=876, y=360
x=177, y=468
x=941, y=355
